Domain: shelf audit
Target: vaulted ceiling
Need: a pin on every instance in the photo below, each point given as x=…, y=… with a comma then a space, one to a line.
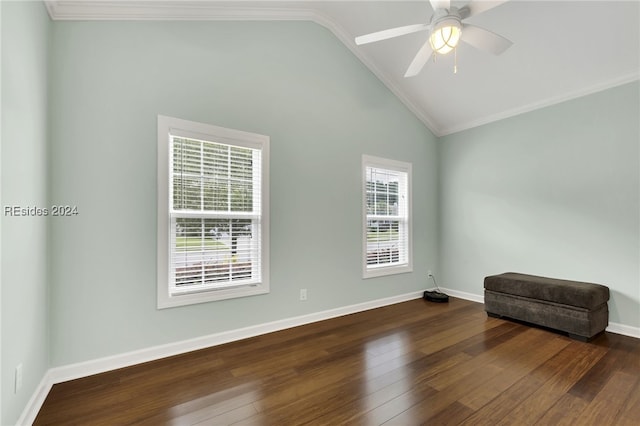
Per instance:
x=561, y=49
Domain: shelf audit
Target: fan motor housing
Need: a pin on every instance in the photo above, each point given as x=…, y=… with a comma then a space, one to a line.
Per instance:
x=446, y=18
x=441, y=15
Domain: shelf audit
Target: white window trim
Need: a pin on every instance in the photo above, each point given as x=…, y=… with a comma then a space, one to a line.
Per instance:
x=168, y=126
x=400, y=166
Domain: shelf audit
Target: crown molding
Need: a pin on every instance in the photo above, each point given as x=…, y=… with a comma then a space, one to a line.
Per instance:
x=175, y=10
x=185, y=10
x=554, y=100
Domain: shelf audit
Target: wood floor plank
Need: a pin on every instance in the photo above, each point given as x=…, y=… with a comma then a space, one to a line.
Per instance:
x=620, y=355
x=230, y=417
x=410, y=363
x=425, y=410
x=453, y=414
x=606, y=406
x=505, y=354
x=630, y=411
x=454, y=334
x=556, y=376
x=392, y=408
x=500, y=406
x=515, y=368
x=214, y=405
x=564, y=412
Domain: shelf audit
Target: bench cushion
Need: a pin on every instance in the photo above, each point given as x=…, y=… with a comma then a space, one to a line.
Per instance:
x=571, y=293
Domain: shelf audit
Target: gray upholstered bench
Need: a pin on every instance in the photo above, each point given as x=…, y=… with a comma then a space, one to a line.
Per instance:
x=577, y=308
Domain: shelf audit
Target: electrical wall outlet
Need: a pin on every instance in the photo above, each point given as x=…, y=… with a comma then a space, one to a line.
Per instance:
x=18, y=378
x=303, y=294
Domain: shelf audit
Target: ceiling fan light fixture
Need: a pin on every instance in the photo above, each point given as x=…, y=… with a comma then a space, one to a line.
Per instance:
x=445, y=36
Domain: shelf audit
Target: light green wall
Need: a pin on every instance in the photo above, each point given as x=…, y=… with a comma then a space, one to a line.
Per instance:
x=293, y=81
x=25, y=35
x=553, y=192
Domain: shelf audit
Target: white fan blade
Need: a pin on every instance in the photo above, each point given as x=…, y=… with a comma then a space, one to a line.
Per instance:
x=440, y=4
x=476, y=7
x=390, y=33
x=484, y=39
x=420, y=60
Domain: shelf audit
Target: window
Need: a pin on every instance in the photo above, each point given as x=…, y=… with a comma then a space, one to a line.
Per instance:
x=386, y=217
x=212, y=213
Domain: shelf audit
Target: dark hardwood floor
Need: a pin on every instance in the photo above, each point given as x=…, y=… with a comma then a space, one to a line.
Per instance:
x=405, y=364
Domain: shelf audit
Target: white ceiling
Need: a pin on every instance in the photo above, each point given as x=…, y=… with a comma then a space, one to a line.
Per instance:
x=561, y=50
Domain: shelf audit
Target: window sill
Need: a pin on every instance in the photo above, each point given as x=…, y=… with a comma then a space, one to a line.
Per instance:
x=170, y=301
x=388, y=270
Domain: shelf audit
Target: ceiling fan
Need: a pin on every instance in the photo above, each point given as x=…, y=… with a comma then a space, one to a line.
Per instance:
x=446, y=30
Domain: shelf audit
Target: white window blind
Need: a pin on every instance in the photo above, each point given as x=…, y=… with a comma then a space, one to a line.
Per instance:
x=215, y=215
x=387, y=217
x=215, y=221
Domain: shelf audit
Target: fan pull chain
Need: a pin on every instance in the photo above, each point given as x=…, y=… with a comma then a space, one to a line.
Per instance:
x=455, y=60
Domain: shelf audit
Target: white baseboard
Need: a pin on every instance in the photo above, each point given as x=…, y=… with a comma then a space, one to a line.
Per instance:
x=462, y=295
x=37, y=399
x=626, y=330
x=101, y=365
